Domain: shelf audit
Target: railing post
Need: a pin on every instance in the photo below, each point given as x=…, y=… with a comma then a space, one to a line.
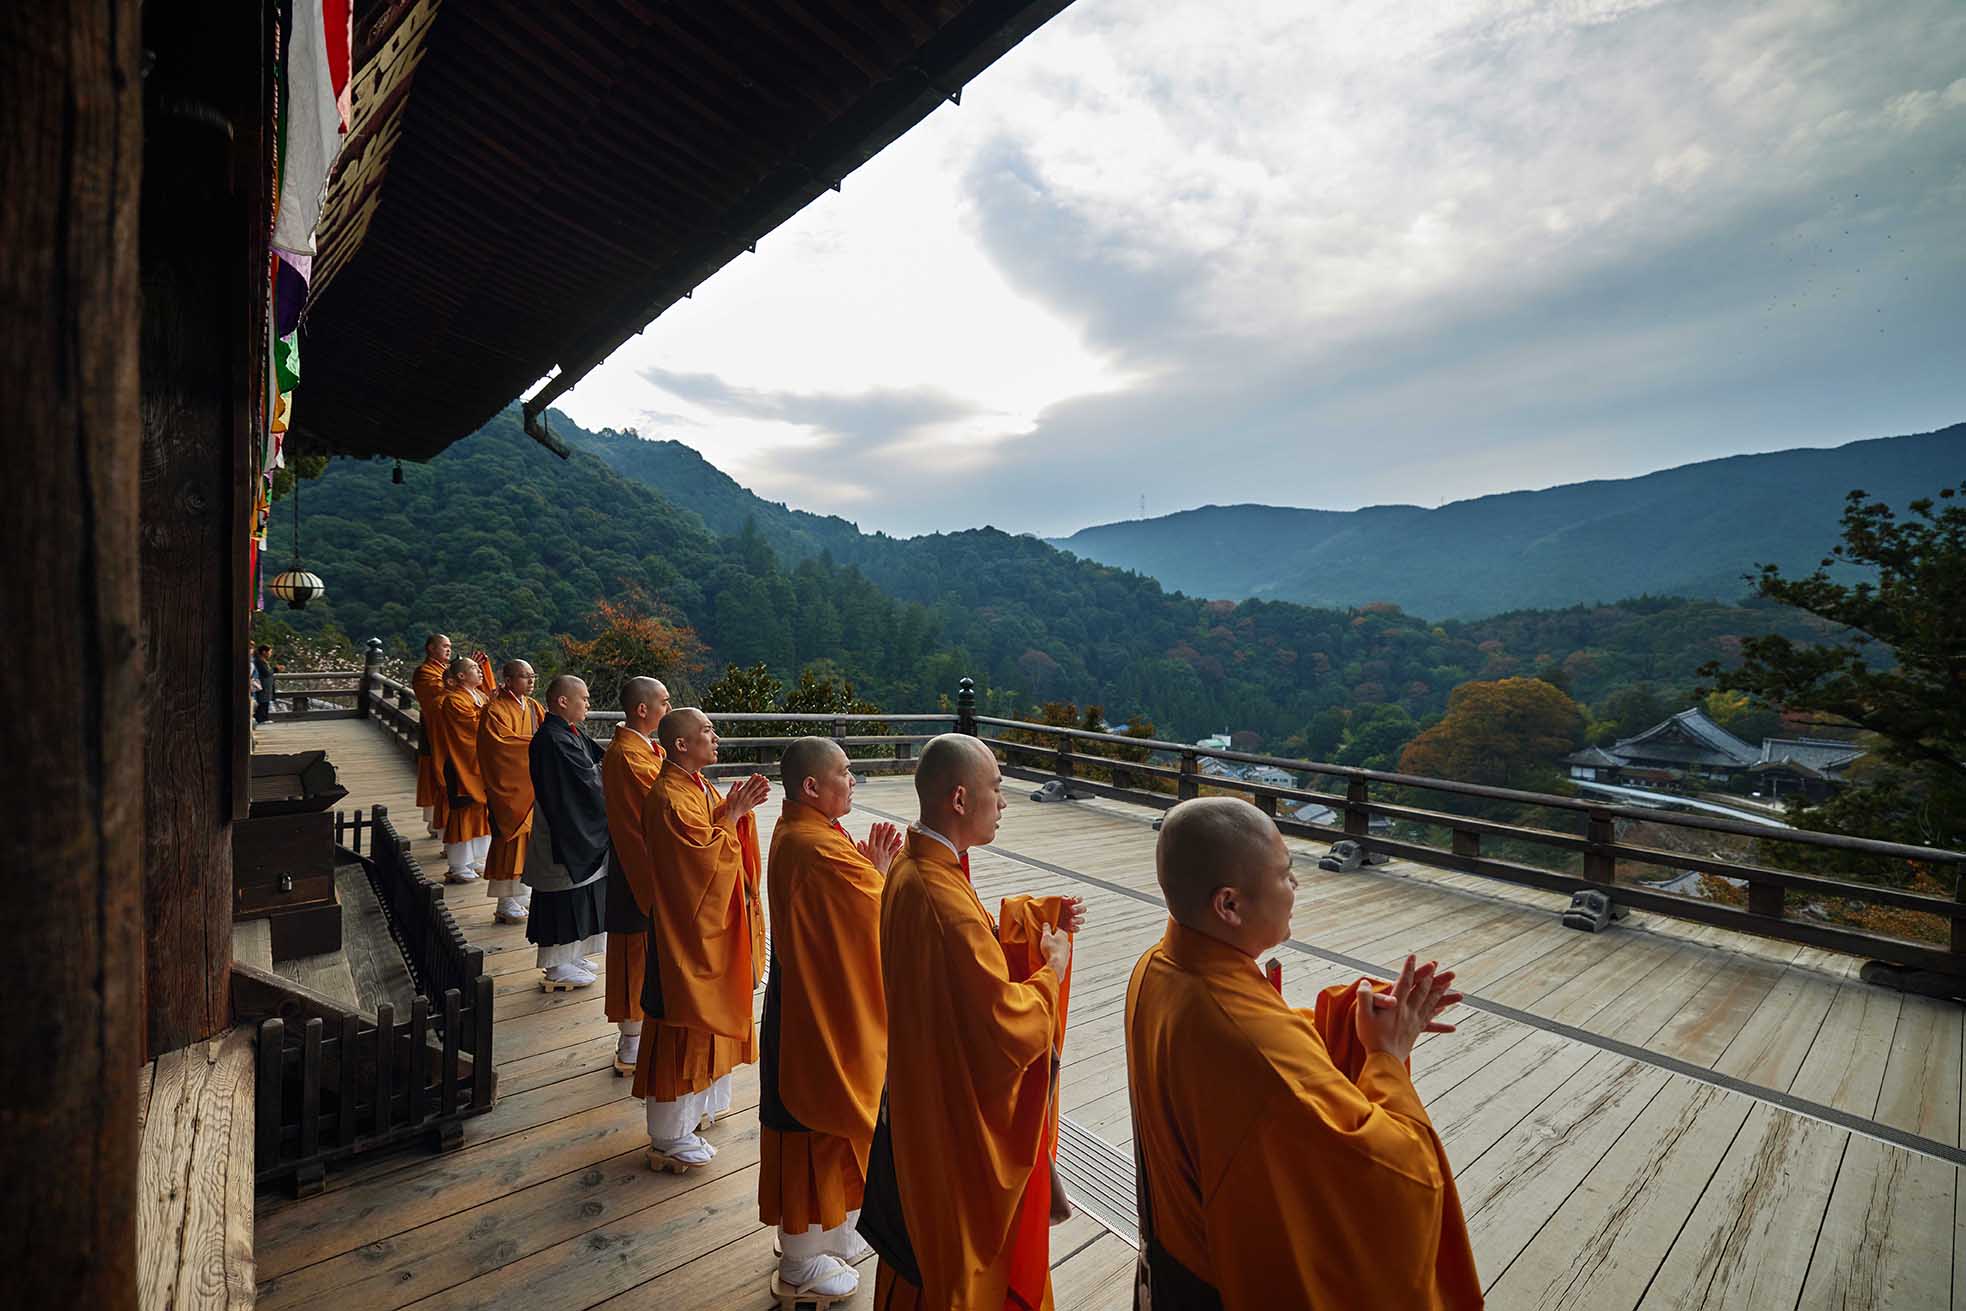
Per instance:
x=1358, y=820
x=1467, y=842
x=1184, y=787
x=301, y=704
x=966, y=707
x=1600, y=866
x=1766, y=899
x=1063, y=765
x=839, y=733
x=371, y=676
x=1958, y=942
x=405, y=699
x=1267, y=804
x=904, y=754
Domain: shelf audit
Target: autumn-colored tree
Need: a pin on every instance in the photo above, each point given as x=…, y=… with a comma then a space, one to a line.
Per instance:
x=629, y=640
x=1511, y=733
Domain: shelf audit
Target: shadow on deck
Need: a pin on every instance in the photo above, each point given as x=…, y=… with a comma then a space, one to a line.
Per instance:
x=1655, y=1115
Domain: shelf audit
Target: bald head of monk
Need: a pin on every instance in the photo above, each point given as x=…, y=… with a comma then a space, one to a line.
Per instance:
x=644, y=701
x=437, y=647
x=960, y=789
x=687, y=737
x=566, y=696
x=815, y=771
x=1225, y=871
x=464, y=672
x=518, y=677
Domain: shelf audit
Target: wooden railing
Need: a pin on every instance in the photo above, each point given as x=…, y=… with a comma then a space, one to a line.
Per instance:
x=1067, y=754
x=1583, y=833
x=319, y=693
x=333, y=1083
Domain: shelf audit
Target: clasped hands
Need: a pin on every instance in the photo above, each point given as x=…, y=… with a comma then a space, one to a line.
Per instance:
x=1056, y=943
x=747, y=796
x=1392, y=1022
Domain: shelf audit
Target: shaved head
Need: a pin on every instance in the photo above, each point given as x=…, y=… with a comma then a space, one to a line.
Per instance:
x=960, y=788
x=515, y=669
x=563, y=685
x=807, y=758
x=457, y=667
x=679, y=723
x=436, y=644
x=1220, y=862
x=951, y=761
x=644, y=701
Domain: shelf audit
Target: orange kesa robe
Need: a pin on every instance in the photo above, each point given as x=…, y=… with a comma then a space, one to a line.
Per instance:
x=824, y=1050
x=628, y=772
x=1286, y=1166
x=971, y=1088
x=428, y=684
x=706, y=938
x=505, y=730
x=455, y=745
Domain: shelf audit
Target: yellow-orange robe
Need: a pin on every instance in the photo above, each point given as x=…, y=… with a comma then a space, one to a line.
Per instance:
x=971, y=1089
x=1286, y=1166
x=628, y=772
x=428, y=684
x=455, y=745
x=824, y=1050
x=505, y=730
x=706, y=938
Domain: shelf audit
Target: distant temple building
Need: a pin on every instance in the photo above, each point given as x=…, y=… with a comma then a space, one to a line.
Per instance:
x=1690, y=750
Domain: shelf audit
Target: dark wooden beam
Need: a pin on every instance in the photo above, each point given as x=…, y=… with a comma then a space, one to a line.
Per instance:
x=72, y=778
x=203, y=276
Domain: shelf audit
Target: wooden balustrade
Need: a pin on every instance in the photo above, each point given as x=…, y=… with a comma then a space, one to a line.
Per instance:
x=1074, y=752
x=333, y=1083
x=1045, y=751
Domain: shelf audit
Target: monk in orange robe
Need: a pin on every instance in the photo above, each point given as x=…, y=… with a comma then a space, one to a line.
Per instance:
x=1285, y=1159
x=454, y=744
x=628, y=773
x=969, y=1126
x=706, y=942
x=428, y=684
x=824, y=1048
x=505, y=732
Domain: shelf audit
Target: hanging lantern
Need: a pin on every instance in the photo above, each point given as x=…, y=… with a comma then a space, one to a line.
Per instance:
x=296, y=586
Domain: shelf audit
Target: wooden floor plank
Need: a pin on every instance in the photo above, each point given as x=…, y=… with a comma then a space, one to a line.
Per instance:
x=1748, y=1241
x=1887, y=1240
x=1601, y=1247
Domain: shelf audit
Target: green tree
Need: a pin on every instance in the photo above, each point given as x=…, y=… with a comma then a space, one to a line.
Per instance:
x=1899, y=673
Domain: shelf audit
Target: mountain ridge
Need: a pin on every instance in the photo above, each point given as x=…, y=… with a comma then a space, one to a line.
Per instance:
x=1536, y=548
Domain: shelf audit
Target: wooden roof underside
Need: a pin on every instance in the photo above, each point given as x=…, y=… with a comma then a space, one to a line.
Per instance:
x=561, y=174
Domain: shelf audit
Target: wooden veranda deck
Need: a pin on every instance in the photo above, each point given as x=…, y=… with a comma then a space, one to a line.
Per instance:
x=1657, y=1115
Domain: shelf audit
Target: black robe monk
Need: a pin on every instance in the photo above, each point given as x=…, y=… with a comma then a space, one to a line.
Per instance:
x=568, y=858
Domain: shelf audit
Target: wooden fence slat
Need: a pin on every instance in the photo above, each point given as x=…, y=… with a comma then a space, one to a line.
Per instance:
x=419, y=1059
x=452, y=1005
x=482, y=1077
x=271, y=1059
x=351, y=1027
x=385, y=1066
x=310, y=1090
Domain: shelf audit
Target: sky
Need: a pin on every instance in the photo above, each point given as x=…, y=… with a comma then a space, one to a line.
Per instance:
x=1174, y=253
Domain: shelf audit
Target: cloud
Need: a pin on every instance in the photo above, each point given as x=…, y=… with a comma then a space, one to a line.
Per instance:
x=1347, y=253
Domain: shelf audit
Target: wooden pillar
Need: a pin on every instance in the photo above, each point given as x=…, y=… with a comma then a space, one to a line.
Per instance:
x=204, y=277
x=72, y=778
x=371, y=684
x=1601, y=831
x=1185, y=787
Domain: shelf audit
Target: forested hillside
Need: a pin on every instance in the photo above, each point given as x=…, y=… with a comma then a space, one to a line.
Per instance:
x=497, y=541
x=1692, y=531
